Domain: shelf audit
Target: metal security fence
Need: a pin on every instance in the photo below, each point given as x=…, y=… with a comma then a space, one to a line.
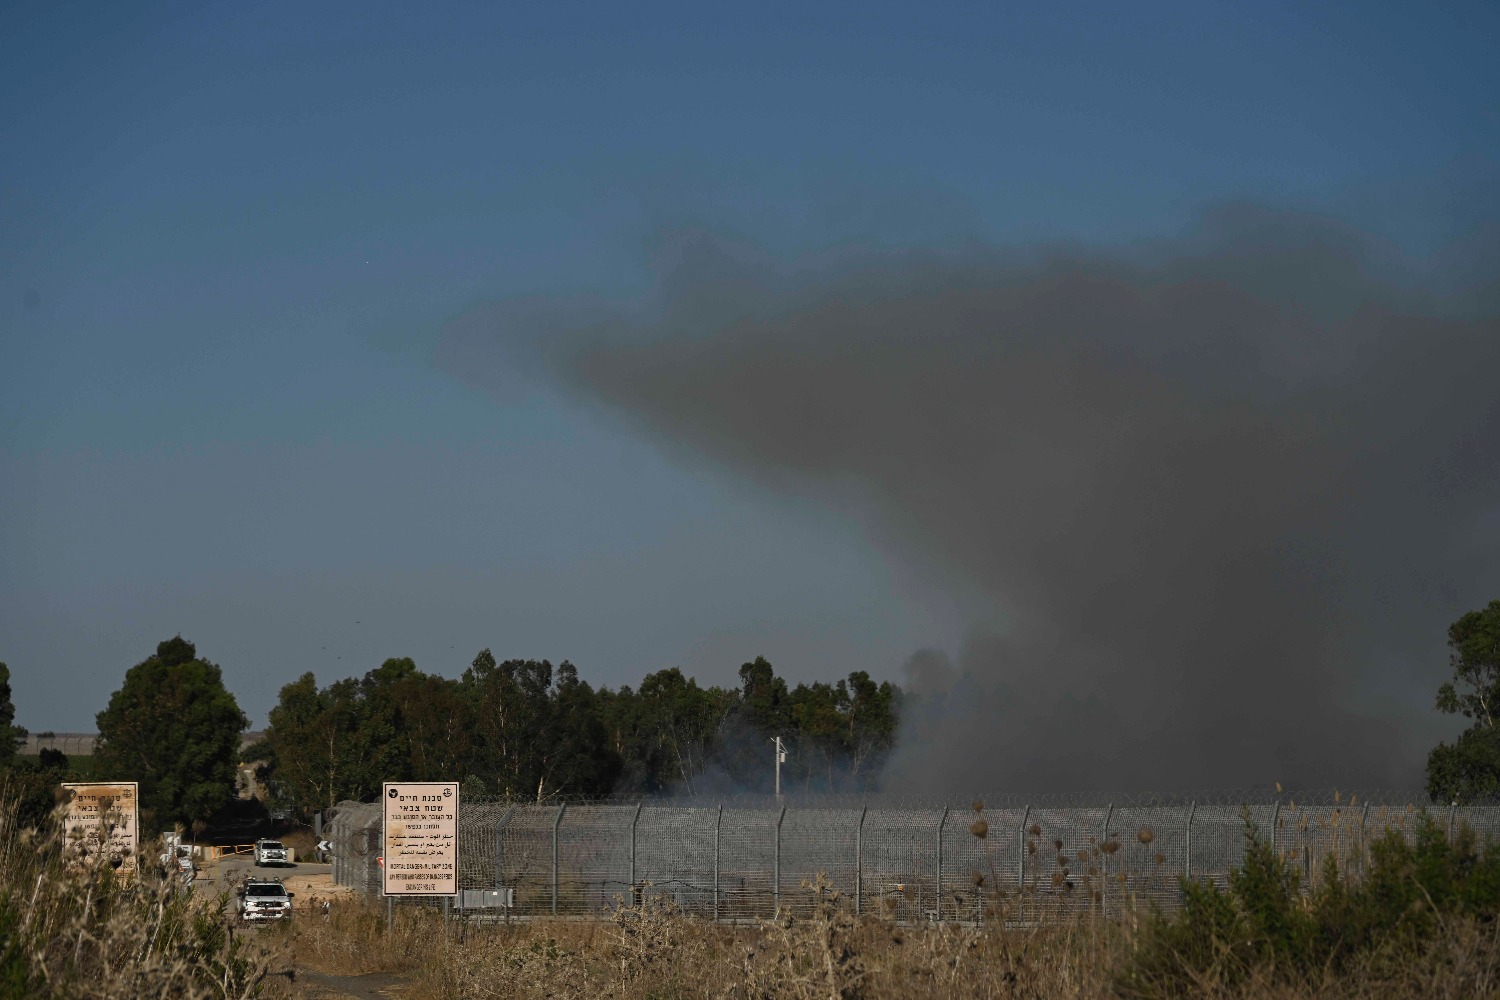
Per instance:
x=1015, y=860
x=354, y=832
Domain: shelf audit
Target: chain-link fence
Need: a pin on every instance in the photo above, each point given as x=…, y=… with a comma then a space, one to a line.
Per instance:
x=1015, y=860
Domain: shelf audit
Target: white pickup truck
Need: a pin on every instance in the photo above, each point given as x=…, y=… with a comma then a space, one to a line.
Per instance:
x=271, y=852
x=262, y=899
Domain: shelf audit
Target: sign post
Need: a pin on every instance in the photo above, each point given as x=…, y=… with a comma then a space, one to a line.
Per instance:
x=419, y=837
x=100, y=824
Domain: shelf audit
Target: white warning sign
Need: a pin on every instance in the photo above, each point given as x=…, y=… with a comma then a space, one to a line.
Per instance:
x=419, y=834
x=100, y=821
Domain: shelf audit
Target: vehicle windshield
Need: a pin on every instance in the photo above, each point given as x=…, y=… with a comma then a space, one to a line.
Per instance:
x=264, y=890
x=272, y=845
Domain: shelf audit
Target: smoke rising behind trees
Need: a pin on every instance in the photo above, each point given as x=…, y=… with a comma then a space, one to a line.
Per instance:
x=528, y=730
x=1208, y=501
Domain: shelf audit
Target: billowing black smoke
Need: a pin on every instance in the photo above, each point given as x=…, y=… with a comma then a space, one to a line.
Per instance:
x=1222, y=494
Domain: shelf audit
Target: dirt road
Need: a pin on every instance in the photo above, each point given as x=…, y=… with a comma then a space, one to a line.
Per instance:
x=310, y=884
x=325, y=986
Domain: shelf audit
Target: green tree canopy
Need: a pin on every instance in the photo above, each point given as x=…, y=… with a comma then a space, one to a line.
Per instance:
x=9, y=735
x=842, y=732
x=174, y=728
x=836, y=734
x=526, y=730
x=31, y=783
x=1469, y=768
x=538, y=731
x=313, y=763
x=764, y=702
x=394, y=724
x=666, y=732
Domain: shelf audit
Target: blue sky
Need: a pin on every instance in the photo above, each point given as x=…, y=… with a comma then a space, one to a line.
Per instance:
x=230, y=234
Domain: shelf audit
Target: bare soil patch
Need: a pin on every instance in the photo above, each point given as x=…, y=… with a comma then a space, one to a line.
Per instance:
x=313, y=985
x=310, y=890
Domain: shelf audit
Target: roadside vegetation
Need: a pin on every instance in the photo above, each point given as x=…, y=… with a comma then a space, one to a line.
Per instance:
x=82, y=934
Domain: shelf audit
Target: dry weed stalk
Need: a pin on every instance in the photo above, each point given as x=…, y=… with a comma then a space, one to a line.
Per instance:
x=77, y=931
x=654, y=940
x=807, y=958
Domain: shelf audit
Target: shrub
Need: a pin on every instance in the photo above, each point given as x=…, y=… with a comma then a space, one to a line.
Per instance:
x=1266, y=929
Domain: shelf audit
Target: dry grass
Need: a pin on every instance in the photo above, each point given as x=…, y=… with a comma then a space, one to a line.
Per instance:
x=1466, y=965
x=653, y=952
x=83, y=935
x=354, y=939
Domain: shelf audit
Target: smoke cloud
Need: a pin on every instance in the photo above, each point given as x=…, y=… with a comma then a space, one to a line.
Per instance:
x=1216, y=496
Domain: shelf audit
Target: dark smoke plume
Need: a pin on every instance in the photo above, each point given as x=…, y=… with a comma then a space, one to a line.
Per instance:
x=1222, y=493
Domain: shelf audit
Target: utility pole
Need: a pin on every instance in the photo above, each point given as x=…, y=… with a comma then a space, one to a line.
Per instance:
x=780, y=758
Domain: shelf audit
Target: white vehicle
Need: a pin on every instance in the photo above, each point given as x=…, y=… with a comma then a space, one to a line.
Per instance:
x=271, y=852
x=263, y=899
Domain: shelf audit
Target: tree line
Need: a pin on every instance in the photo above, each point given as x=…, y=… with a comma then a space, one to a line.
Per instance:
x=523, y=730
x=526, y=730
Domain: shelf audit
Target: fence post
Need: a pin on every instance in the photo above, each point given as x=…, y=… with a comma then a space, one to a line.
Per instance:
x=1307, y=868
x=556, y=822
x=1104, y=864
x=1452, y=808
x=1364, y=817
x=938, y=899
x=633, y=821
x=1021, y=872
x=1275, y=823
x=718, y=824
x=859, y=862
x=776, y=884
x=500, y=848
x=1188, y=867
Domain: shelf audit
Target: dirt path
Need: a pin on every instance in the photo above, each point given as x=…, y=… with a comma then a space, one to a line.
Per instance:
x=326, y=986
x=310, y=889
